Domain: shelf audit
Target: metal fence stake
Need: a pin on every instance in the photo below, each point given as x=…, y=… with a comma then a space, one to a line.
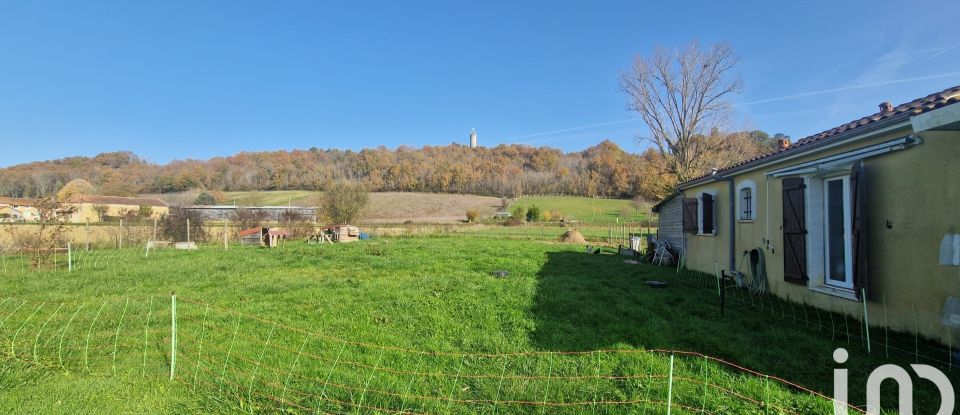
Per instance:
x=670, y=388
x=866, y=319
x=173, y=334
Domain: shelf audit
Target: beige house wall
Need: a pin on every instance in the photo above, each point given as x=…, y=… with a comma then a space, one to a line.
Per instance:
x=912, y=202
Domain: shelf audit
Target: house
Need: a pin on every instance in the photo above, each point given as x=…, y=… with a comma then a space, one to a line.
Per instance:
x=268, y=213
x=269, y=237
x=95, y=208
x=14, y=209
x=857, y=213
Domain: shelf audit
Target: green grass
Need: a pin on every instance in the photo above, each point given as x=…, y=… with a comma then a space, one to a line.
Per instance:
x=586, y=209
x=415, y=324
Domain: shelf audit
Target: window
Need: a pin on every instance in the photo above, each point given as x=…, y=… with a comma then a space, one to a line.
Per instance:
x=837, y=256
x=829, y=226
x=707, y=213
x=747, y=201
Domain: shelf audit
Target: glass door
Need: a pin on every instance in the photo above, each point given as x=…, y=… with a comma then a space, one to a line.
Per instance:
x=837, y=232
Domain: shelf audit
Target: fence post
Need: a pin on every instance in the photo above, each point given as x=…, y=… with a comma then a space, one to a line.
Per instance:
x=866, y=321
x=670, y=388
x=69, y=257
x=225, y=247
x=188, y=230
x=173, y=334
x=154, y=228
x=120, y=239
x=86, y=232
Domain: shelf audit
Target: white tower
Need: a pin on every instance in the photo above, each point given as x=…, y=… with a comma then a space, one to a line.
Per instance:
x=473, y=138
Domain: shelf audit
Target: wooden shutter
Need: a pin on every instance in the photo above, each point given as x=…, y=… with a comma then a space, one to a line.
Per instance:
x=689, y=215
x=859, y=228
x=708, y=211
x=794, y=231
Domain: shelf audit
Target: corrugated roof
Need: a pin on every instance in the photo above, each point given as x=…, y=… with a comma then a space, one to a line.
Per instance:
x=117, y=200
x=918, y=106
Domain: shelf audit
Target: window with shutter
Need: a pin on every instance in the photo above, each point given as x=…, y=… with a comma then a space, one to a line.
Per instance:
x=690, y=215
x=707, y=213
x=794, y=231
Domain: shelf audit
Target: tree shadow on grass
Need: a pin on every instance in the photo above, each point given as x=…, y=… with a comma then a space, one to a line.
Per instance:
x=587, y=302
x=590, y=302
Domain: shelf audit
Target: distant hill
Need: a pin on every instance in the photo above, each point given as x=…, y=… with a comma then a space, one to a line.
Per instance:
x=504, y=170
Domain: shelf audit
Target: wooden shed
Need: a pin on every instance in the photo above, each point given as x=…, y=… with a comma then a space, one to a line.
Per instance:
x=269, y=237
x=670, y=215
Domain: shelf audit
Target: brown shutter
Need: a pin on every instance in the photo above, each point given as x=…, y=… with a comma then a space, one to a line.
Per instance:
x=708, y=211
x=794, y=231
x=859, y=222
x=689, y=215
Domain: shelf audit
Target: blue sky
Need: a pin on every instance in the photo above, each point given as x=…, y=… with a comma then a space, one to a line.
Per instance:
x=171, y=80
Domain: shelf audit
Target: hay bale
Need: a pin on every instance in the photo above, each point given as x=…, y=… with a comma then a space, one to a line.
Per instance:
x=572, y=237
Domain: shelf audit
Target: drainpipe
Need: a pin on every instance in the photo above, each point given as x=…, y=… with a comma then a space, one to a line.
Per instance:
x=733, y=218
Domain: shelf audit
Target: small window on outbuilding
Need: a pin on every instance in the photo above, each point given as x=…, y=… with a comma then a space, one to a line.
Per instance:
x=747, y=201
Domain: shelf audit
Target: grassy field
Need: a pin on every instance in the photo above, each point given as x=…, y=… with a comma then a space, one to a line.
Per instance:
x=399, y=207
x=410, y=324
x=384, y=207
x=586, y=209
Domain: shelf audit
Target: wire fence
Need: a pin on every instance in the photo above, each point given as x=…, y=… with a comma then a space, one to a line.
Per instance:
x=845, y=322
x=259, y=364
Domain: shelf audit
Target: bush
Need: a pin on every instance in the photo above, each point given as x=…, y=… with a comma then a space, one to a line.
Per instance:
x=533, y=214
x=205, y=199
x=519, y=213
x=174, y=225
x=299, y=225
x=513, y=222
x=472, y=215
x=343, y=201
x=247, y=218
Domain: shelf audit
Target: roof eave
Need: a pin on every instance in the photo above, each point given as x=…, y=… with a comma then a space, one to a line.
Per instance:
x=854, y=134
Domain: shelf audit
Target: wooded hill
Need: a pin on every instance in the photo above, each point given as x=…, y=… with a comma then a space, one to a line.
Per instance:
x=505, y=170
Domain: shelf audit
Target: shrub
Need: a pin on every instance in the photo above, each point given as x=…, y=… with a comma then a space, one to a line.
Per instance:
x=548, y=216
x=299, y=225
x=519, y=213
x=205, y=199
x=343, y=201
x=513, y=222
x=247, y=218
x=174, y=225
x=533, y=214
x=472, y=215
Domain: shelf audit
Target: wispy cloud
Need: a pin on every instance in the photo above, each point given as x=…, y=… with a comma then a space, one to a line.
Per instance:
x=523, y=138
x=852, y=87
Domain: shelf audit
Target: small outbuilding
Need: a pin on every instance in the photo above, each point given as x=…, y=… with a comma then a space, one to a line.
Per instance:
x=269, y=237
x=341, y=233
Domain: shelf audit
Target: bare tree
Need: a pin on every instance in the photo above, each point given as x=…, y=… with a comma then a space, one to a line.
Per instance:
x=683, y=97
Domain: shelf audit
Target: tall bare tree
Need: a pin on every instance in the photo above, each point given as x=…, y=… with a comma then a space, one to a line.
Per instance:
x=684, y=96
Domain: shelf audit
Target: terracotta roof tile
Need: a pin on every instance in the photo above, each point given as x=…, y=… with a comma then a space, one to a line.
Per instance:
x=918, y=106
